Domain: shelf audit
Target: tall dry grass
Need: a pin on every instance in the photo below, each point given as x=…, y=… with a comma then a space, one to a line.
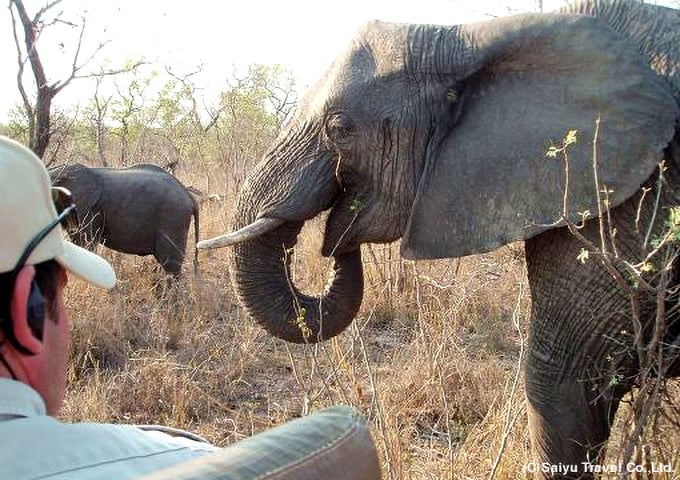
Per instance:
x=433, y=359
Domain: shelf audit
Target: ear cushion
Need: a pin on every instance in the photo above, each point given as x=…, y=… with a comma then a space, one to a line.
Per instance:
x=35, y=311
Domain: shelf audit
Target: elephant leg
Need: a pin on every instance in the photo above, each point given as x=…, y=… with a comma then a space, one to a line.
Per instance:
x=569, y=421
x=169, y=253
x=569, y=425
x=672, y=338
x=582, y=355
x=581, y=358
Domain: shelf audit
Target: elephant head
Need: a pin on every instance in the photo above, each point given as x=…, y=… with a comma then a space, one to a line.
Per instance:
x=86, y=191
x=437, y=135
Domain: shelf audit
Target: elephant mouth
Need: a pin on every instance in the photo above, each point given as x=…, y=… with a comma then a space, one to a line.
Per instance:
x=339, y=236
x=352, y=223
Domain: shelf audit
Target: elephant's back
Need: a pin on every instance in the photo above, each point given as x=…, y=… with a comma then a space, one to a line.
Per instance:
x=151, y=183
x=655, y=29
x=141, y=204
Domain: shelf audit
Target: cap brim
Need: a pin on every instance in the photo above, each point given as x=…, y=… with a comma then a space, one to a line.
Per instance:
x=87, y=265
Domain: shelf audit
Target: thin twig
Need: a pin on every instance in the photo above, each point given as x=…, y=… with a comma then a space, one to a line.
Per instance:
x=509, y=418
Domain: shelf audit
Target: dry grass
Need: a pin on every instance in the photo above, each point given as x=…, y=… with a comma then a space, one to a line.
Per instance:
x=431, y=360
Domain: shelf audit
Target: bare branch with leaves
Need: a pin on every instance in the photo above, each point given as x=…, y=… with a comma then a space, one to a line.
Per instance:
x=39, y=110
x=649, y=276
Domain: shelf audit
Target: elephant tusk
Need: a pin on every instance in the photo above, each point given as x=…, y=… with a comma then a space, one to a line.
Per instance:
x=249, y=232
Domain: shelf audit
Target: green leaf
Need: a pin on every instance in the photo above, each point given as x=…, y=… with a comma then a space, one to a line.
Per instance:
x=583, y=255
x=585, y=215
x=356, y=205
x=552, y=152
x=647, y=267
x=571, y=138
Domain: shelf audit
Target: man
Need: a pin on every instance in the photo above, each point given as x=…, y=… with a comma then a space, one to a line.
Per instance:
x=35, y=262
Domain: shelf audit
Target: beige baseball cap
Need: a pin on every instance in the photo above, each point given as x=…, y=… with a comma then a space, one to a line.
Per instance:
x=27, y=208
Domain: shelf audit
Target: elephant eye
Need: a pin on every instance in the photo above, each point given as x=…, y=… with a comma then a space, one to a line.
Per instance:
x=451, y=94
x=339, y=127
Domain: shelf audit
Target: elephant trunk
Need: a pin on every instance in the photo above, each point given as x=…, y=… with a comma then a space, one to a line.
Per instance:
x=260, y=271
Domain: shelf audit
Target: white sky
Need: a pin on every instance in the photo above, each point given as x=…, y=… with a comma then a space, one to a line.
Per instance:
x=302, y=35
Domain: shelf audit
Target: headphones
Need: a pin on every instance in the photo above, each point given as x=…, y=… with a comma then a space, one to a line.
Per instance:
x=35, y=317
x=35, y=311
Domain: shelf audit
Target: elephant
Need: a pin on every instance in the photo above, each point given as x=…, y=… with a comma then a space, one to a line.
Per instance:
x=437, y=135
x=141, y=209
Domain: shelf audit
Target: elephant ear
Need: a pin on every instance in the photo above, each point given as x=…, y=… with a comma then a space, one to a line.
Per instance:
x=84, y=184
x=540, y=76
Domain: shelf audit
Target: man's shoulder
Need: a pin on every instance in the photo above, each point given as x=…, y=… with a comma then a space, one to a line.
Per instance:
x=48, y=448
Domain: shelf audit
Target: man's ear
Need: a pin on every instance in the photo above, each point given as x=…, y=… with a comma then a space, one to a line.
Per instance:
x=23, y=333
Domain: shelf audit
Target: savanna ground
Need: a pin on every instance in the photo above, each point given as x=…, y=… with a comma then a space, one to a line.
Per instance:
x=432, y=359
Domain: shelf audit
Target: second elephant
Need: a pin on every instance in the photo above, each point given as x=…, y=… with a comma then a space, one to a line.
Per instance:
x=142, y=210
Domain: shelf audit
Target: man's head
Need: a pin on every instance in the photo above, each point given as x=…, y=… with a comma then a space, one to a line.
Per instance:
x=34, y=259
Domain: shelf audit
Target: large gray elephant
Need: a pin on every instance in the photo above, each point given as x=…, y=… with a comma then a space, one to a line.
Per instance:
x=142, y=210
x=436, y=135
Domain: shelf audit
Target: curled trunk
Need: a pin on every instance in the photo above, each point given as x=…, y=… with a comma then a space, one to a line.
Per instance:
x=260, y=271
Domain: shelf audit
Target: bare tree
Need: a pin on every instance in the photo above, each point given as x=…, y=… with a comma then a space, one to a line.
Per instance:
x=100, y=108
x=38, y=111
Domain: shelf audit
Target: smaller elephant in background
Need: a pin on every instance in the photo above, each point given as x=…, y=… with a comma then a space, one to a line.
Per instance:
x=142, y=210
